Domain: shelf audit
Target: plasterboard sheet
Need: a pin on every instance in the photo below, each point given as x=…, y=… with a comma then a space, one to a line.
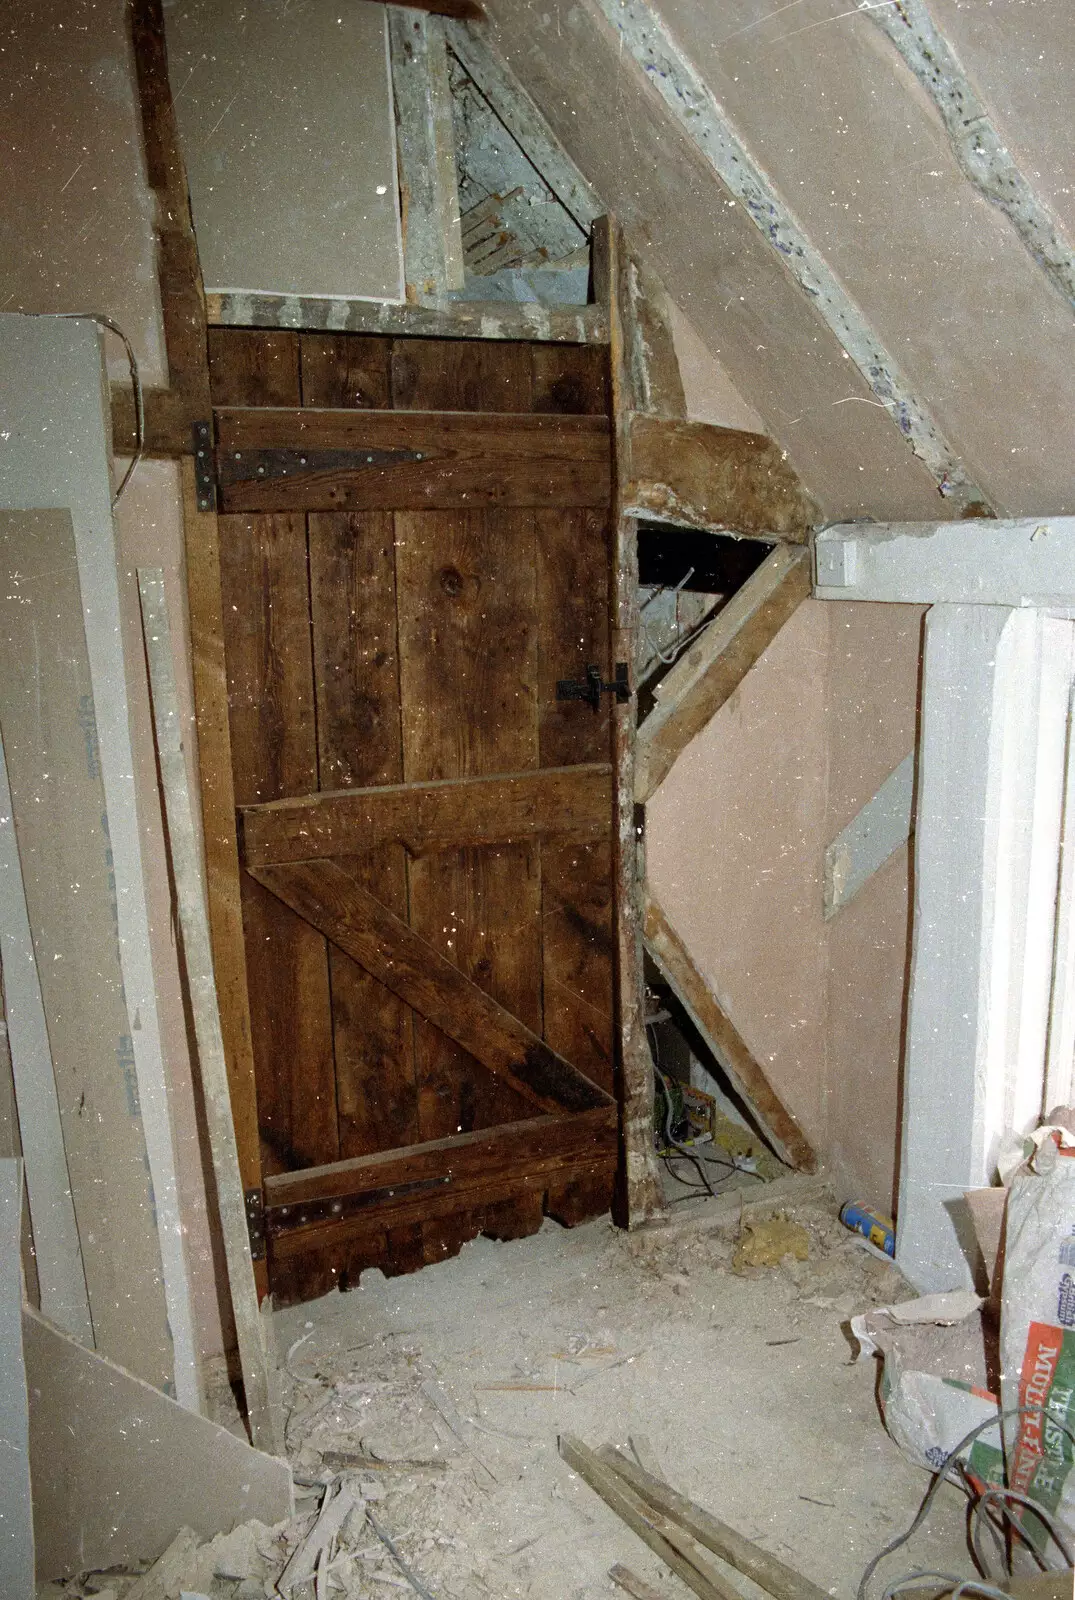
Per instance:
x=55, y=456
x=286, y=123
x=61, y=827
x=118, y=1468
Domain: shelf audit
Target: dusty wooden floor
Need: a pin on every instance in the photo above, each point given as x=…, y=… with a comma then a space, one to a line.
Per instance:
x=743, y=1382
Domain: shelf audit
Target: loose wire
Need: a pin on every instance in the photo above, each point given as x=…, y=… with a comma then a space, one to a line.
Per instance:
x=942, y=1476
x=136, y=387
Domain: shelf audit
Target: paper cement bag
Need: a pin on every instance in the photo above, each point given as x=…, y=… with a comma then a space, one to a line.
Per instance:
x=934, y=1386
x=1037, y=1340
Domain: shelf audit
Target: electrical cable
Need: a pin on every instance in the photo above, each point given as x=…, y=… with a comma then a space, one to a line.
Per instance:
x=996, y=1493
x=136, y=386
x=943, y=1476
x=679, y=644
x=672, y=1140
x=927, y=1577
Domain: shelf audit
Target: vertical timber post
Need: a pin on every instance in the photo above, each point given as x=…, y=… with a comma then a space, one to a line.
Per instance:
x=638, y=1195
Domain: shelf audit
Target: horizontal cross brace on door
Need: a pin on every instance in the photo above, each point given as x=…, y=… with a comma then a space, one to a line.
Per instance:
x=354, y=460
x=333, y=903
x=394, y=1180
x=447, y=814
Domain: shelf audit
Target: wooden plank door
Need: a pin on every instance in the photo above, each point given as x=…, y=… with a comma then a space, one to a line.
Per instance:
x=414, y=550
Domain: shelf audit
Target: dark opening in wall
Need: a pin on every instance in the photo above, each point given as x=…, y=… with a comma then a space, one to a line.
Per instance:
x=716, y=563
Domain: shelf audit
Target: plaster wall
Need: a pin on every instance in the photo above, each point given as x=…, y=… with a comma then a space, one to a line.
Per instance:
x=858, y=152
x=874, y=655
x=734, y=853
x=734, y=848
x=76, y=235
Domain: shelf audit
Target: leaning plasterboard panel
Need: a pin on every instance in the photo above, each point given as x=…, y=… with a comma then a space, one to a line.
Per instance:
x=36, y=1129
x=118, y=1468
x=55, y=456
x=49, y=726
x=285, y=117
x=16, y=1516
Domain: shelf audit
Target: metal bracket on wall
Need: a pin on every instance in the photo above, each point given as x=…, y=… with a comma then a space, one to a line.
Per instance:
x=204, y=472
x=255, y=1222
x=592, y=688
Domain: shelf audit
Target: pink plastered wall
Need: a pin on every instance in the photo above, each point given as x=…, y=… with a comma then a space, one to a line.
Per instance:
x=735, y=845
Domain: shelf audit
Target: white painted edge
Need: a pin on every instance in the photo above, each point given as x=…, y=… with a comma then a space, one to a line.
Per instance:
x=942, y=1150
x=58, y=1253
x=992, y=756
x=67, y=469
x=17, y=1580
x=1020, y=561
x=1043, y=773
x=877, y=832
x=1060, y=1054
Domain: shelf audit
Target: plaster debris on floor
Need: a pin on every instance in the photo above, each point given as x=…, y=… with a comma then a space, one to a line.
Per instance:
x=433, y=1403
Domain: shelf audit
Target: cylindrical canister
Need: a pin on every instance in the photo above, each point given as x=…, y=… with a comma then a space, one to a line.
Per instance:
x=880, y=1230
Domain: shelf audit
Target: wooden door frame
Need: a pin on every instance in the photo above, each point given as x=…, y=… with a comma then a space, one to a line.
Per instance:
x=170, y=416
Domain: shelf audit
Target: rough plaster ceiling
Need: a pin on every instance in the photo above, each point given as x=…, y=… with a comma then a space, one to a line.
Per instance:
x=856, y=148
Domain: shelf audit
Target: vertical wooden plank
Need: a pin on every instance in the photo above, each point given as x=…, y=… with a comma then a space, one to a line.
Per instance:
x=356, y=666
x=253, y=367
x=468, y=672
x=481, y=909
x=178, y=268
x=569, y=378
x=639, y=1195
x=577, y=951
x=573, y=560
x=217, y=793
x=197, y=957
x=460, y=375
x=573, y=563
x=266, y=609
x=425, y=146
x=468, y=642
x=356, y=672
x=346, y=369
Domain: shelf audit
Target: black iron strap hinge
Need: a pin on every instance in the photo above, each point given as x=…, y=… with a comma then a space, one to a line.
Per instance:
x=592, y=688
x=255, y=1222
x=204, y=466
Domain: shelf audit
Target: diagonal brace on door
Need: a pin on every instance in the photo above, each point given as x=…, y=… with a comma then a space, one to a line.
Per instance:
x=322, y=894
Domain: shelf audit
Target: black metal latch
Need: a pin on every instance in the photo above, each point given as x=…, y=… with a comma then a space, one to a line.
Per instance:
x=592, y=688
